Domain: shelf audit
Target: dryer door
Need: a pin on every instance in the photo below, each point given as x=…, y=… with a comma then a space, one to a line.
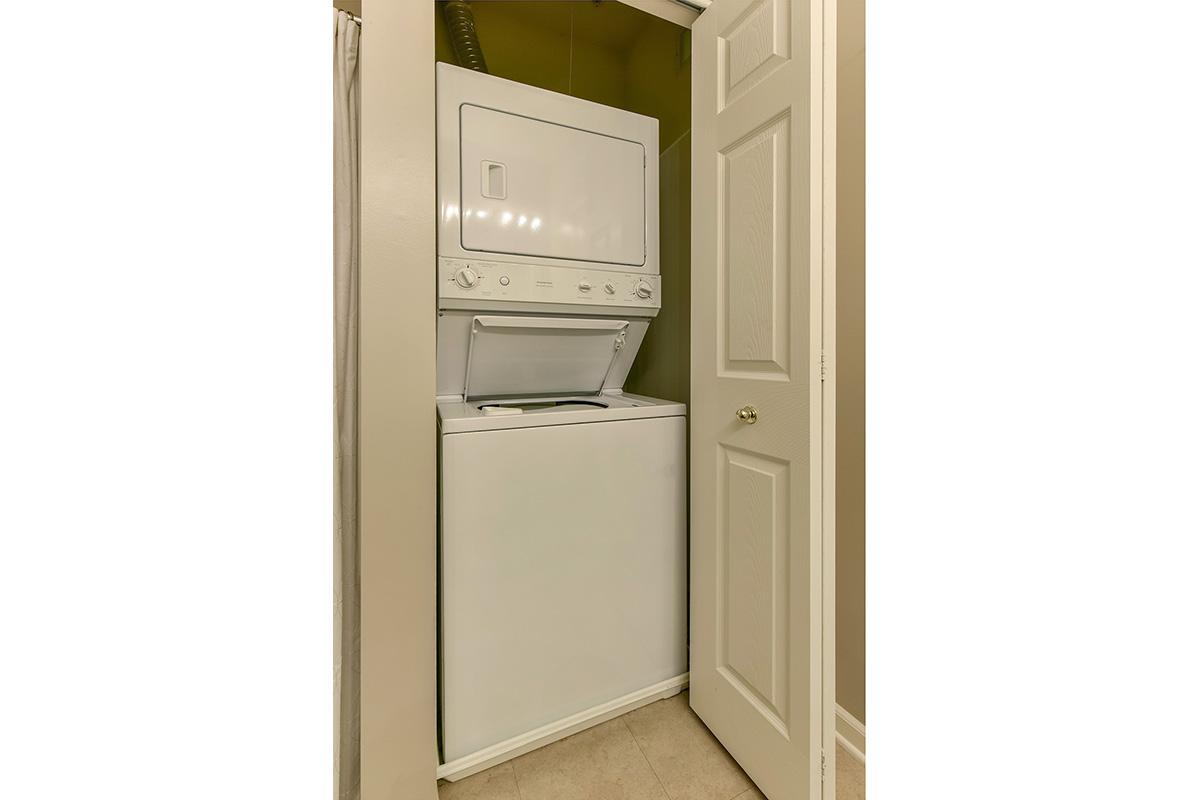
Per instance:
x=536, y=188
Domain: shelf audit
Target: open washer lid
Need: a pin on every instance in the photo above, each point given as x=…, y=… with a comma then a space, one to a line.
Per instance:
x=541, y=355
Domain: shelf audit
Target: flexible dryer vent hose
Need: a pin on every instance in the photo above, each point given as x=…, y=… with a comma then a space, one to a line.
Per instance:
x=461, y=23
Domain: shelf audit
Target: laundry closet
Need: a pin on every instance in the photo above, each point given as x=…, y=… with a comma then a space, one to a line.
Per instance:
x=632, y=378
x=562, y=481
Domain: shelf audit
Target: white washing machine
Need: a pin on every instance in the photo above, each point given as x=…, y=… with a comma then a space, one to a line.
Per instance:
x=563, y=560
x=562, y=500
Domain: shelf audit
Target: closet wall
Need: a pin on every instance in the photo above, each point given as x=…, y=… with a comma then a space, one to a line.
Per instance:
x=397, y=383
x=613, y=54
x=659, y=84
x=532, y=42
x=851, y=352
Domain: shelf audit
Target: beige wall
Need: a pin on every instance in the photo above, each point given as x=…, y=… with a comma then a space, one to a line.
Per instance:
x=851, y=473
x=396, y=389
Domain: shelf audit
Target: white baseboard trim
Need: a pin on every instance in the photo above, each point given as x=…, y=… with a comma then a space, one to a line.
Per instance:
x=540, y=737
x=851, y=734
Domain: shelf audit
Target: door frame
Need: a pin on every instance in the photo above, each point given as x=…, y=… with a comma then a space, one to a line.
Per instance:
x=397, y=460
x=825, y=87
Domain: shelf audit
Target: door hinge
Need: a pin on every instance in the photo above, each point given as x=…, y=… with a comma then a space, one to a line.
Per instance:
x=822, y=765
x=822, y=366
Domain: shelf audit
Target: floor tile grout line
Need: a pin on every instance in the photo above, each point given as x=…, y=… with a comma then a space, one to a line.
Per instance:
x=735, y=795
x=645, y=757
x=516, y=781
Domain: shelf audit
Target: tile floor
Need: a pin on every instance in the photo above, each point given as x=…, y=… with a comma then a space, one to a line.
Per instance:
x=658, y=752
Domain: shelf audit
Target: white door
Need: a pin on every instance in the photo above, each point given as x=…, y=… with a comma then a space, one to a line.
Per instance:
x=761, y=553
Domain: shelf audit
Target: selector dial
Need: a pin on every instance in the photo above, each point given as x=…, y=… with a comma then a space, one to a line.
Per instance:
x=466, y=277
x=643, y=290
x=608, y=287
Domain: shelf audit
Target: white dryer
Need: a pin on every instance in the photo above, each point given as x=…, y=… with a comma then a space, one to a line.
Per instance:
x=562, y=500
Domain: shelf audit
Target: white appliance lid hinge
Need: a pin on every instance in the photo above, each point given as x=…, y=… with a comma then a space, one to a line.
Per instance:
x=823, y=370
x=822, y=765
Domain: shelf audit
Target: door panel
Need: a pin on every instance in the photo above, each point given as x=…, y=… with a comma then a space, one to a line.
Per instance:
x=752, y=581
x=759, y=538
x=752, y=215
x=752, y=47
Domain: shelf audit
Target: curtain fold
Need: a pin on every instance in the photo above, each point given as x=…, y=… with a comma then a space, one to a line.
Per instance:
x=346, y=617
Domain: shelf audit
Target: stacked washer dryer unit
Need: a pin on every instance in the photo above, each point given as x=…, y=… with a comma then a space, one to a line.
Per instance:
x=562, y=512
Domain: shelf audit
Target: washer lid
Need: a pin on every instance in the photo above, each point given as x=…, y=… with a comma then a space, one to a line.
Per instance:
x=541, y=355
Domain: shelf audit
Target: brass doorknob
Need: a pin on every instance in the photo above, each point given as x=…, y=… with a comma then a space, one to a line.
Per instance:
x=748, y=414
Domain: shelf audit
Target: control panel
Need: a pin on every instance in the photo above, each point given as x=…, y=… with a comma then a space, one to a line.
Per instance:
x=494, y=280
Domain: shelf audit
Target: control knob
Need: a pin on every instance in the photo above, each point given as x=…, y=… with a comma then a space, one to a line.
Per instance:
x=643, y=290
x=466, y=277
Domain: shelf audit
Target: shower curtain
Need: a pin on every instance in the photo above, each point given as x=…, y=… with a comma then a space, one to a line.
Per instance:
x=346, y=619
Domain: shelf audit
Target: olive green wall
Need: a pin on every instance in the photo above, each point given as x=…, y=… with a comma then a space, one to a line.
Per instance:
x=851, y=330
x=531, y=42
x=663, y=365
x=613, y=54
x=659, y=79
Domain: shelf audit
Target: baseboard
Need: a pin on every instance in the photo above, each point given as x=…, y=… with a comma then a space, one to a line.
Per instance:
x=540, y=737
x=851, y=734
